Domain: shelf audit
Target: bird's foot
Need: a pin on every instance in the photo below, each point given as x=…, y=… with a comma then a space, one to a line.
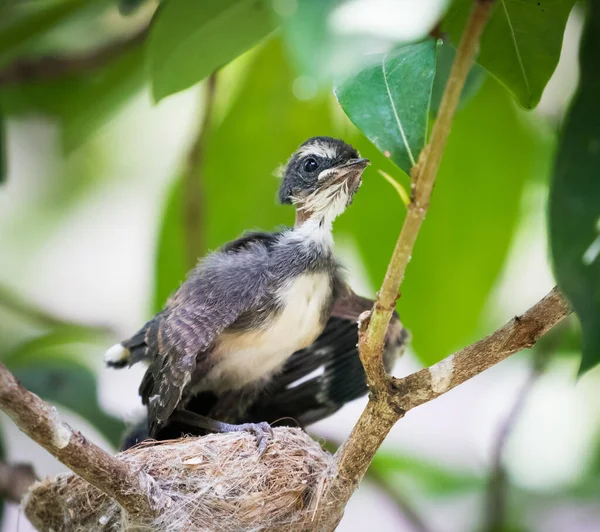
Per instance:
x=263, y=432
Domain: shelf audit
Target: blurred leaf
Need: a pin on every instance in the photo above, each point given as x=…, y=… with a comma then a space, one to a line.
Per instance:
x=30, y=25
x=490, y=154
x=521, y=43
x=575, y=198
x=46, y=367
x=445, y=57
x=307, y=36
x=171, y=267
x=83, y=103
x=3, y=161
x=389, y=101
x=105, y=93
x=434, y=479
x=128, y=7
x=191, y=39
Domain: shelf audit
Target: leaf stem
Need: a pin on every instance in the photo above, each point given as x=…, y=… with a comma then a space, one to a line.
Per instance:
x=423, y=180
x=193, y=204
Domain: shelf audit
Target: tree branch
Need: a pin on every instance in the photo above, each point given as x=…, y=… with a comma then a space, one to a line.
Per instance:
x=49, y=68
x=192, y=181
x=423, y=179
x=135, y=491
x=15, y=479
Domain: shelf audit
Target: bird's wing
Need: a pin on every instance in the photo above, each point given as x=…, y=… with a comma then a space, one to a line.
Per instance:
x=177, y=342
x=318, y=380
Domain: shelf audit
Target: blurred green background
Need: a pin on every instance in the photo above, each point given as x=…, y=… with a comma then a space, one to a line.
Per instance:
x=109, y=194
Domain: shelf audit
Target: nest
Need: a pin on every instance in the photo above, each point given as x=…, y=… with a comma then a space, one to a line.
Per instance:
x=217, y=482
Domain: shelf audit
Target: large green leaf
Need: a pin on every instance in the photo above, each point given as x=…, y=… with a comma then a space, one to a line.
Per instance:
x=52, y=367
x=191, y=39
x=575, y=198
x=521, y=43
x=389, y=100
x=461, y=248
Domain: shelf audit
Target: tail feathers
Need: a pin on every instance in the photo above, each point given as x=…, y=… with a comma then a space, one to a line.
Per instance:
x=117, y=356
x=134, y=349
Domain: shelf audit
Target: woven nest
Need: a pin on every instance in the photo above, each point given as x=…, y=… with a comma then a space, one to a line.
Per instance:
x=217, y=482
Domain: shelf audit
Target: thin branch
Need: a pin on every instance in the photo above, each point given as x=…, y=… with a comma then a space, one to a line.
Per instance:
x=135, y=491
x=49, y=68
x=15, y=479
x=423, y=180
x=192, y=181
x=380, y=415
x=383, y=408
x=522, y=332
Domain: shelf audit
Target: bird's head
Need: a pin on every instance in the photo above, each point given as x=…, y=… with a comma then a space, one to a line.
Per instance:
x=321, y=178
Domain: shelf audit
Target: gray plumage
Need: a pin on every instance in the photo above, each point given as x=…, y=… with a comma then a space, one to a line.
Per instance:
x=246, y=308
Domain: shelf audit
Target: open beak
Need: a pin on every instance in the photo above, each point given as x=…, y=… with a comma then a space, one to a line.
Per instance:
x=350, y=171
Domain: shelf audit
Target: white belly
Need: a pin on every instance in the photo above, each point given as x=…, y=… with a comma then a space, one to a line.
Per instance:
x=249, y=356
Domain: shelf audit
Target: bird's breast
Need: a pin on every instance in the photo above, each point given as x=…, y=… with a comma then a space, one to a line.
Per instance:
x=242, y=357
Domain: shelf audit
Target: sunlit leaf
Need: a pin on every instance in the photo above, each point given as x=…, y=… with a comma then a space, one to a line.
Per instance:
x=575, y=198
x=190, y=39
x=521, y=43
x=389, y=100
x=491, y=152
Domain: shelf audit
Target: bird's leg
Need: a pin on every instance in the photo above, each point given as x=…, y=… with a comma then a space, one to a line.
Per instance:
x=262, y=430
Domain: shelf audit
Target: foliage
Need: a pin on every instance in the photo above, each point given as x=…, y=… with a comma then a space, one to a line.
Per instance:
x=575, y=198
x=276, y=96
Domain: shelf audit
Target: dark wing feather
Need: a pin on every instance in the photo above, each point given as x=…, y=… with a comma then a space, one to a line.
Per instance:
x=296, y=395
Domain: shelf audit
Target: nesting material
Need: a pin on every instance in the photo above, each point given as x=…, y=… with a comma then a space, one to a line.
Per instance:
x=217, y=482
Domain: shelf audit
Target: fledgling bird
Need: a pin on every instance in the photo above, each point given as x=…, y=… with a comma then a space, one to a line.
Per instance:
x=225, y=352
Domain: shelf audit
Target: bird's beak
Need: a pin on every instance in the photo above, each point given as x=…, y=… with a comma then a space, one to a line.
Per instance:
x=350, y=171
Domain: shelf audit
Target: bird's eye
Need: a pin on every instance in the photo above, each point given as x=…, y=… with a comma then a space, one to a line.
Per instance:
x=310, y=165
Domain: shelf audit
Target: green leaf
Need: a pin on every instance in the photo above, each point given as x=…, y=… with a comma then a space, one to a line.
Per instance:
x=83, y=103
x=94, y=104
x=432, y=478
x=575, y=198
x=73, y=386
x=171, y=267
x=521, y=43
x=14, y=35
x=191, y=39
x=474, y=81
x=389, y=100
x=52, y=367
x=490, y=154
